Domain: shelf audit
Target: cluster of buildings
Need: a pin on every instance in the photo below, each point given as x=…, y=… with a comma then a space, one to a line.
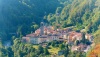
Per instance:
x=48, y=34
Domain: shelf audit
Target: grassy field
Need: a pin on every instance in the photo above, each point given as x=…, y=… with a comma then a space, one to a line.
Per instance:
x=35, y=46
x=53, y=50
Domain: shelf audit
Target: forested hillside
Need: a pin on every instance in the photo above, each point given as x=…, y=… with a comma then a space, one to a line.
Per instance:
x=20, y=17
x=84, y=14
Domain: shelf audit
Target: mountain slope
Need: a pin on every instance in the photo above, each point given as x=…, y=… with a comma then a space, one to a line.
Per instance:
x=84, y=14
x=18, y=16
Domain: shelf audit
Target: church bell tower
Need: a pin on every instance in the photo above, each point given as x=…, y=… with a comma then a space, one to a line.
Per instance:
x=41, y=28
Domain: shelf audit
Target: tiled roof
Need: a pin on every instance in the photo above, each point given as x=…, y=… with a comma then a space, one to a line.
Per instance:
x=74, y=34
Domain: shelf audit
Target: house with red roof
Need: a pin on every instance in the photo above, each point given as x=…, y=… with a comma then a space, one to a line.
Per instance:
x=73, y=36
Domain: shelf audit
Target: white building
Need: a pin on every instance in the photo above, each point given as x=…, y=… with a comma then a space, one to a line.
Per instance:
x=34, y=40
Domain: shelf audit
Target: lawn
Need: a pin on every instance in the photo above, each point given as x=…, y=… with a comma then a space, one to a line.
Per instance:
x=35, y=46
x=53, y=50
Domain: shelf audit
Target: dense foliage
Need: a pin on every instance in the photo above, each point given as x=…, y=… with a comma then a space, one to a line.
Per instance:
x=83, y=14
x=20, y=49
x=23, y=16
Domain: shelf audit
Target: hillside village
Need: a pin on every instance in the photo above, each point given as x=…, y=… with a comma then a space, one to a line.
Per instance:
x=48, y=33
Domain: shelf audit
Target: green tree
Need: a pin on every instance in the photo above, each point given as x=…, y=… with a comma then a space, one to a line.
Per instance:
x=53, y=43
x=61, y=46
x=46, y=52
x=35, y=26
x=40, y=49
x=10, y=52
x=77, y=42
x=67, y=51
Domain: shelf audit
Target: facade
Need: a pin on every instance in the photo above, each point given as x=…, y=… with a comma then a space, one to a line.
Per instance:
x=25, y=39
x=89, y=37
x=34, y=40
x=42, y=39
